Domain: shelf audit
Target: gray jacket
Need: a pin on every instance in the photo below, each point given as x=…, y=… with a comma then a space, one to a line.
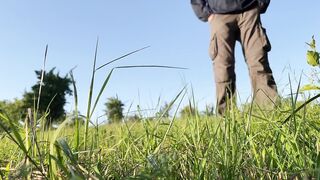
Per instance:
x=203, y=8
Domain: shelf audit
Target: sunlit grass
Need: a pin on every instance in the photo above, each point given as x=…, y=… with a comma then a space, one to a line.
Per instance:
x=247, y=143
x=195, y=147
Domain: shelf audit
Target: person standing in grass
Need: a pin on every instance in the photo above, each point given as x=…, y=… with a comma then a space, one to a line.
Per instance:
x=231, y=21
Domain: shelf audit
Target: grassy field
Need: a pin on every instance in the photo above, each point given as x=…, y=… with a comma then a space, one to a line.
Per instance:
x=246, y=144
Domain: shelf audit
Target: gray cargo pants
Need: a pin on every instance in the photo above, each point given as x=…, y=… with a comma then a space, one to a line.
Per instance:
x=245, y=27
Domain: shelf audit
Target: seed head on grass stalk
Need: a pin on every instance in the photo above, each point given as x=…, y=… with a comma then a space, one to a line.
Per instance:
x=34, y=118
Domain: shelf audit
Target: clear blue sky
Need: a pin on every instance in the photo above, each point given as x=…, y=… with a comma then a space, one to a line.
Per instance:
x=176, y=37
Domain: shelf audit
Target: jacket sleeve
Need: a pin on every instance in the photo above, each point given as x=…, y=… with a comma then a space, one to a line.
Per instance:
x=201, y=9
x=263, y=4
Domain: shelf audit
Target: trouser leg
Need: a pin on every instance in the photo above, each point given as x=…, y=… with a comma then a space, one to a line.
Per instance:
x=221, y=50
x=256, y=45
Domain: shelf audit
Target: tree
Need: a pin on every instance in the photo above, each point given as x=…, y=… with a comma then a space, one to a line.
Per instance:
x=12, y=109
x=188, y=111
x=52, y=98
x=165, y=111
x=114, y=109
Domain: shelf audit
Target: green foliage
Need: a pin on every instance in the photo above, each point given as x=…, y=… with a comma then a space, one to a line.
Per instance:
x=309, y=87
x=114, y=110
x=13, y=109
x=188, y=111
x=53, y=95
x=313, y=60
x=247, y=144
x=313, y=55
x=48, y=154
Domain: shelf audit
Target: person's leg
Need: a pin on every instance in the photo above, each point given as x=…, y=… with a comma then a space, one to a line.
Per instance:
x=223, y=37
x=255, y=46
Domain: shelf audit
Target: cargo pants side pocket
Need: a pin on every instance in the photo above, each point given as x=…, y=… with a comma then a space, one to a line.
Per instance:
x=213, y=47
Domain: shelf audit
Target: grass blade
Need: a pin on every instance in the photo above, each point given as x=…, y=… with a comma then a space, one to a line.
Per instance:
x=157, y=149
x=77, y=134
x=300, y=107
x=121, y=57
x=90, y=96
x=101, y=91
x=42, y=76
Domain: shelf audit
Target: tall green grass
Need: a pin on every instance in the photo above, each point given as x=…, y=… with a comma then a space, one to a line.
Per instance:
x=247, y=143
x=255, y=146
